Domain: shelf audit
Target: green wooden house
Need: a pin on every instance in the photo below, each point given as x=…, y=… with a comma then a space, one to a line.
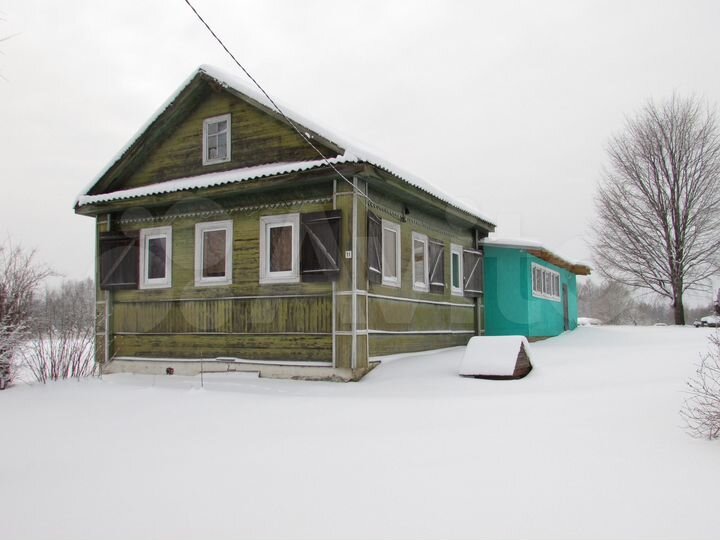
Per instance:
x=225, y=241
x=529, y=290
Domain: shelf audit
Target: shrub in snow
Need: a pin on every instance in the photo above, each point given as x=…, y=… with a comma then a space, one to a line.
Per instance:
x=60, y=354
x=19, y=278
x=701, y=410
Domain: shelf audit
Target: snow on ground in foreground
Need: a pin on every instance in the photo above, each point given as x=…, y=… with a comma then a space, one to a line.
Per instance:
x=589, y=445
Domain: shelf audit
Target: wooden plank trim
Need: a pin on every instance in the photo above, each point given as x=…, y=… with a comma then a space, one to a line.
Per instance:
x=224, y=211
x=421, y=332
x=222, y=333
x=225, y=360
x=418, y=301
x=221, y=298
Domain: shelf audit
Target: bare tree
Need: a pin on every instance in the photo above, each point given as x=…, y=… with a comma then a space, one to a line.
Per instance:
x=19, y=278
x=658, y=225
x=701, y=410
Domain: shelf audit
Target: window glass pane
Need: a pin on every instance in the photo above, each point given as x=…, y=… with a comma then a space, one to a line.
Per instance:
x=212, y=128
x=214, y=253
x=221, y=126
x=456, y=270
x=212, y=150
x=156, y=257
x=389, y=253
x=419, y=261
x=222, y=146
x=280, y=248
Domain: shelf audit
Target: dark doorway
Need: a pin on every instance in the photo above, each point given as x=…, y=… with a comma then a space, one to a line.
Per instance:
x=566, y=314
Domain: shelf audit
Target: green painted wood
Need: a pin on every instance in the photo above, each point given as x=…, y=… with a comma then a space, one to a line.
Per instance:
x=256, y=139
x=266, y=315
x=384, y=344
x=400, y=316
x=246, y=259
x=296, y=347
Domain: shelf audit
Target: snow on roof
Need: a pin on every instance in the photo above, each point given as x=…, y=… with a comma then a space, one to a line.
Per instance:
x=354, y=152
x=210, y=180
x=534, y=245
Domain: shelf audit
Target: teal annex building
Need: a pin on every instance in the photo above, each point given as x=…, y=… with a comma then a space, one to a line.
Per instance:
x=529, y=290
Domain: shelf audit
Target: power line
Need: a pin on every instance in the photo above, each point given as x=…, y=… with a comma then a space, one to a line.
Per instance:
x=272, y=101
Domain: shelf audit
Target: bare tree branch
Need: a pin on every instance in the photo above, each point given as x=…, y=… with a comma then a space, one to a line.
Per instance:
x=658, y=205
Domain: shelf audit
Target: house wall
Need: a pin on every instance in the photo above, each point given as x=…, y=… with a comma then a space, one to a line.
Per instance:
x=507, y=290
x=256, y=139
x=291, y=322
x=403, y=319
x=510, y=305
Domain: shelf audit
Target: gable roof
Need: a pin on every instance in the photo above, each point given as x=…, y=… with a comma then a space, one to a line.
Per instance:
x=350, y=152
x=541, y=252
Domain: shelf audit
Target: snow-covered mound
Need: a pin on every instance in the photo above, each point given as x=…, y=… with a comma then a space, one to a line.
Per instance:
x=493, y=356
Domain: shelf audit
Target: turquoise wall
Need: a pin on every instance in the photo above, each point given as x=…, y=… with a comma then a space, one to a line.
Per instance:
x=511, y=308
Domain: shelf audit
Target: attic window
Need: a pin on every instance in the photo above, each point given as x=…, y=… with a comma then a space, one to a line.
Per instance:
x=216, y=139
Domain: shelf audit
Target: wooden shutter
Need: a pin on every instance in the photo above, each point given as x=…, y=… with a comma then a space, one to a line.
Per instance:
x=119, y=261
x=320, y=246
x=472, y=272
x=374, y=248
x=436, y=256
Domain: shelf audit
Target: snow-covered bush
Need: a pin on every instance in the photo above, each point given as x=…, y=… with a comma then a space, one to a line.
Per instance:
x=61, y=344
x=59, y=354
x=19, y=278
x=701, y=410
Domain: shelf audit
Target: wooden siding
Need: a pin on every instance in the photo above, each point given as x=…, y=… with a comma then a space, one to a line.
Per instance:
x=403, y=310
x=291, y=321
x=384, y=344
x=257, y=347
x=256, y=139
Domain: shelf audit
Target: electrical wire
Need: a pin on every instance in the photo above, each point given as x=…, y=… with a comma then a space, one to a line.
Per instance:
x=275, y=105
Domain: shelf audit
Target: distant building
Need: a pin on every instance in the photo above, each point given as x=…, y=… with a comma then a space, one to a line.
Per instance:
x=529, y=290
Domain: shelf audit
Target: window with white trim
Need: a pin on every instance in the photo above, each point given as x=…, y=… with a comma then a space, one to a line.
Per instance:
x=216, y=139
x=156, y=258
x=545, y=283
x=436, y=266
x=420, y=262
x=279, y=249
x=390, y=253
x=213, y=253
x=456, y=269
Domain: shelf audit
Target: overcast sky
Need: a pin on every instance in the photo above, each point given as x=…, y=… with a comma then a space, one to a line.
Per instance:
x=508, y=105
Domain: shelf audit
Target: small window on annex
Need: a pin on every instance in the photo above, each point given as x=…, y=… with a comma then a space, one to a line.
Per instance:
x=420, y=262
x=216, y=139
x=213, y=253
x=545, y=283
x=456, y=269
x=279, y=248
x=155, y=258
x=390, y=253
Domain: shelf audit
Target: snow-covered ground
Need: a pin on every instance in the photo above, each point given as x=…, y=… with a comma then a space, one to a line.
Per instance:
x=589, y=445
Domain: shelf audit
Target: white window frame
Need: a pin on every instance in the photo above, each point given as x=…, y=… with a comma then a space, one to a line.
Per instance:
x=392, y=281
x=145, y=236
x=200, y=229
x=288, y=276
x=544, y=289
x=206, y=123
x=456, y=249
x=422, y=286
